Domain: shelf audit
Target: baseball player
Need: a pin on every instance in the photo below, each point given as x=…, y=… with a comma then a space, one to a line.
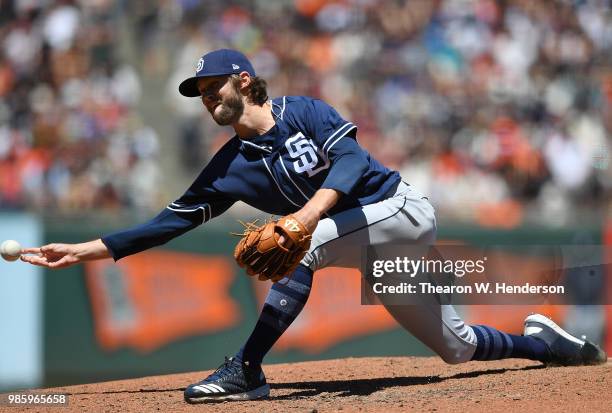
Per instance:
x=297, y=155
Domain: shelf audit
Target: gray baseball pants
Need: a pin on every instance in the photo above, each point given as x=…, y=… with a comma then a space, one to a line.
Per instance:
x=406, y=217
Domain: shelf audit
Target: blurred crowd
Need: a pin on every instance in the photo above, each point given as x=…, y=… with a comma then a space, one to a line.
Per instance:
x=501, y=111
x=71, y=138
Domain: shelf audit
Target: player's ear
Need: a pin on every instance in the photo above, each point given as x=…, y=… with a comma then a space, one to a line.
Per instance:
x=245, y=81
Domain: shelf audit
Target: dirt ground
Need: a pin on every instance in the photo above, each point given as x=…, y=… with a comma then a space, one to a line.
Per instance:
x=368, y=385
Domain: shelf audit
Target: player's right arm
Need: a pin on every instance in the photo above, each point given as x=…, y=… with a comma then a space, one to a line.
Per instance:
x=200, y=203
x=167, y=225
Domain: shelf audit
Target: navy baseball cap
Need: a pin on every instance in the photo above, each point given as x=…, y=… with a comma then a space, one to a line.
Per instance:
x=216, y=63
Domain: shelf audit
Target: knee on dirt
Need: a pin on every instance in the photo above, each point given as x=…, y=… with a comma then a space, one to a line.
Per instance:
x=453, y=356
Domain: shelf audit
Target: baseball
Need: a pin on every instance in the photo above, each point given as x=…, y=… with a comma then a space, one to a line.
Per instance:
x=10, y=250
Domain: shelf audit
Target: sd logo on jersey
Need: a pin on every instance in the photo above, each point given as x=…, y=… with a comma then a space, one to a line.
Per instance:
x=308, y=158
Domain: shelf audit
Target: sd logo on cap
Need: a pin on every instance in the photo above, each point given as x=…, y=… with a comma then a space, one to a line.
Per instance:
x=218, y=62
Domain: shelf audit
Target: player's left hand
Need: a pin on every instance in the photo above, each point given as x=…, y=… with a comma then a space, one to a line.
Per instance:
x=261, y=254
x=308, y=218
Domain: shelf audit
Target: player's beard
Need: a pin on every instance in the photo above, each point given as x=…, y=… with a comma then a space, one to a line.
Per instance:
x=231, y=108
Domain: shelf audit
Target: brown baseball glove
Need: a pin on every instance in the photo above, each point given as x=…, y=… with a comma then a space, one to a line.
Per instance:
x=260, y=253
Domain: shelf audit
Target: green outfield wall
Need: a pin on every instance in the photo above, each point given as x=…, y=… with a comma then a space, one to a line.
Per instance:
x=84, y=344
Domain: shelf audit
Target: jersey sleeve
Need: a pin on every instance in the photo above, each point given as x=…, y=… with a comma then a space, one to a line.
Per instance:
x=200, y=203
x=336, y=140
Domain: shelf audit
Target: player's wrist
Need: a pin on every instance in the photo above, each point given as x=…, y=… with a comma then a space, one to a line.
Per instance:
x=309, y=217
x=91, y=250
x=320, y=210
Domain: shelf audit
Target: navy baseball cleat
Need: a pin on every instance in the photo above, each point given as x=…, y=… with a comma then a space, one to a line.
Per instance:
x=565, y=349
x=233, y=380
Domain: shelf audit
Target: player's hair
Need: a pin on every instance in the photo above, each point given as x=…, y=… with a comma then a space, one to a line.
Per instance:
x=258, y=92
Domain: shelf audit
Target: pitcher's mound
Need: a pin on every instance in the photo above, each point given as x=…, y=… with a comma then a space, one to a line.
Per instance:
x=396, y=384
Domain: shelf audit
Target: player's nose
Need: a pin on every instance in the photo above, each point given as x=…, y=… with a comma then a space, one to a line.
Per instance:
x=209, y=100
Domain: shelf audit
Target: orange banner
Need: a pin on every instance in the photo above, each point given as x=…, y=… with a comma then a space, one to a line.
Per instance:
x=151, y=299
